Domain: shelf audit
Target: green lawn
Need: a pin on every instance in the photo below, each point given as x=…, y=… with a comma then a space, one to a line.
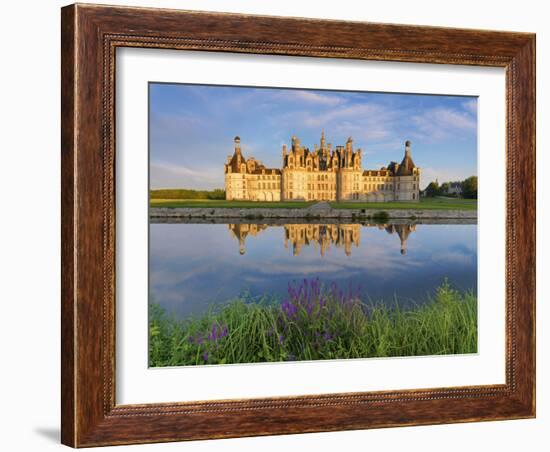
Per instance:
x=424, y=204
x=172, y=203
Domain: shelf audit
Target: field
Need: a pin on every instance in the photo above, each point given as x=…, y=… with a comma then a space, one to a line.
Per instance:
x=206, y=203
x=424, y=204
x=315, y=322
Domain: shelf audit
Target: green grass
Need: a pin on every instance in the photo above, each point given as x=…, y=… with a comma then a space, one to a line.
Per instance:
x=204, y=203
x=424, y=204
x=185, y=193
x=315, y=323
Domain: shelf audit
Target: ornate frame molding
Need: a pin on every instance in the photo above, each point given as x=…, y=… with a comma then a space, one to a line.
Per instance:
x=90, y=37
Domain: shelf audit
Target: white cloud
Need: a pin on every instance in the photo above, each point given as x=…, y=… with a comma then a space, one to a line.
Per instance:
x=366, y=123
x=470, y=105
x=165, y=175
x=453, y=258
x=258, y=98
x=437, y=124
x=315, y=98
x=358, y=112
x=177, y=123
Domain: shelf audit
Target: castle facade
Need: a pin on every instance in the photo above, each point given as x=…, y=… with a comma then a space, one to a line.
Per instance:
x=324, y=174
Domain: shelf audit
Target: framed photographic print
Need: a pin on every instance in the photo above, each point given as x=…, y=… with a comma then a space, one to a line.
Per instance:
x=281, y=225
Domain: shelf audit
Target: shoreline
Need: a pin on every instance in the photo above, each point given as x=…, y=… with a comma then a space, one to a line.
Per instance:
x=313, y=213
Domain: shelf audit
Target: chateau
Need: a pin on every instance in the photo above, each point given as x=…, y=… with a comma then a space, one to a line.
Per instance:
x=324, y=174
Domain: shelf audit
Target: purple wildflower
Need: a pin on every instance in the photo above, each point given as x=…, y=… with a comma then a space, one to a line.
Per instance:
x=217, y=332
x=289, y=309
x=205, y=357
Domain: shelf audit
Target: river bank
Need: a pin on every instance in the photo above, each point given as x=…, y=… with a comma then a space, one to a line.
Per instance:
x=315, y=322
x=315, y=212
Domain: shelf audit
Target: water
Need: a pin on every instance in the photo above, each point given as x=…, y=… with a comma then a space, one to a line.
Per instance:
x=194, y=265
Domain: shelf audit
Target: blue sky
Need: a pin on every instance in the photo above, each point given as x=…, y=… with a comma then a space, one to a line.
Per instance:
x=192, y=128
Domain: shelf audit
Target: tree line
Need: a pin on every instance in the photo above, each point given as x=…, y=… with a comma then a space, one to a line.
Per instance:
x=468, y=188
x=186, y=193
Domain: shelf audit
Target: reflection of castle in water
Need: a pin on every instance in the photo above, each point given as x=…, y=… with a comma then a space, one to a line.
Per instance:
x=321, y=236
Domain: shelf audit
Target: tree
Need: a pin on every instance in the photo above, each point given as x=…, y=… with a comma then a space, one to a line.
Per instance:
x=217, y=193
x=432, y=190
x=444, y=189
x=469, y=187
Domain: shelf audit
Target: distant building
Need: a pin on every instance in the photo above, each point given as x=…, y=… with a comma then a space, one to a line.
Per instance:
x=324, y=174
x=455, y=188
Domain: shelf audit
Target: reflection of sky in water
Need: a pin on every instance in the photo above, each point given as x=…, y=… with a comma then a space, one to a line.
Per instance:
x=193, y=265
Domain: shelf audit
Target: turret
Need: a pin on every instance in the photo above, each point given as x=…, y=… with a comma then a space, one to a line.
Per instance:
x=295, y=143
x=407, y=166
x=237, y=142
x=349, y=144
x=408, y=149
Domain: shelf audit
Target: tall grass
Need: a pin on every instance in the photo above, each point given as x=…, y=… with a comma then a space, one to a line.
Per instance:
x=315, y=322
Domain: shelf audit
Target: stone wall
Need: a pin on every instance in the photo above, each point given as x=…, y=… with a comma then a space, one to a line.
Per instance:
x=309, y=213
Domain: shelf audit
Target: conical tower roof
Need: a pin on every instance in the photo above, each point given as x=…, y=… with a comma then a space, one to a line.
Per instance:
x=407, y=164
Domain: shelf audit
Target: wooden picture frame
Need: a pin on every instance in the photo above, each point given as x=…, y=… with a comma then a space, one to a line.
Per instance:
x=90, y=35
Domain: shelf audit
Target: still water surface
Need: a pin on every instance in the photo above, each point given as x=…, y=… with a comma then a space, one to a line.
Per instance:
x=194, y=265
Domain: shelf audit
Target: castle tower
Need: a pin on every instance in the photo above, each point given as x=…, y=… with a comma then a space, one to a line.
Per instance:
x=295, y=143
x=407, y=178
x=235, y=188
x=349, y=153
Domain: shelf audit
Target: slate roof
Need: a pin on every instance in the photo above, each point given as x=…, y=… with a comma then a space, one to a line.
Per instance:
x=406, y=167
